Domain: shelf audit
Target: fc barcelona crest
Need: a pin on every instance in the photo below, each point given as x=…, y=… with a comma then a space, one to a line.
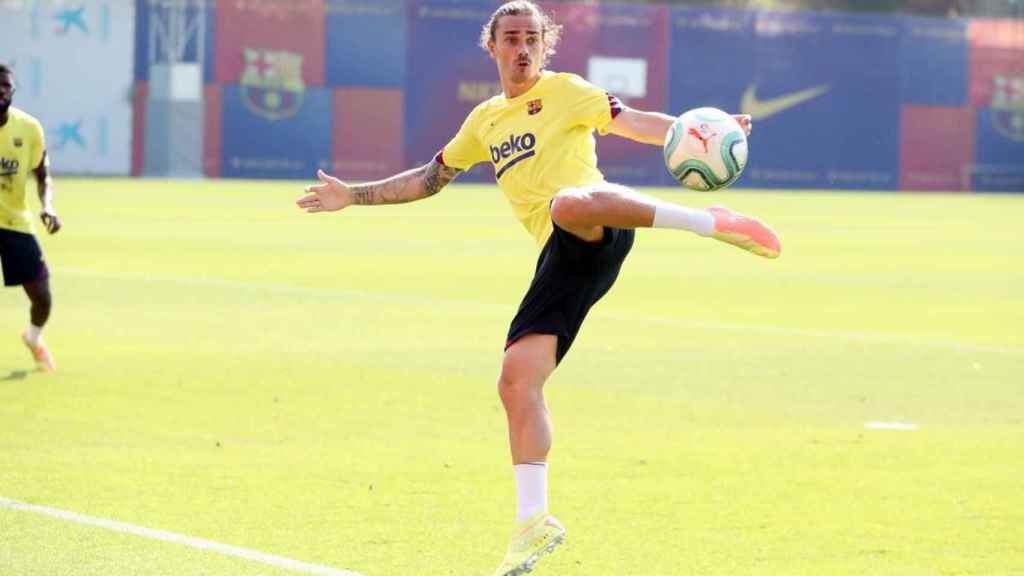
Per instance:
x=1008, y=106
x=271, y=84
x=534, y=106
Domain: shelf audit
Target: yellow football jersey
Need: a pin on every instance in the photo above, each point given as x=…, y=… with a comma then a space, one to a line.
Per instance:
x=539, y=143
x=22, y=144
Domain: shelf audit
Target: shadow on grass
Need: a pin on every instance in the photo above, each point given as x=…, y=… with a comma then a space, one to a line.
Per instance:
x=15, y=375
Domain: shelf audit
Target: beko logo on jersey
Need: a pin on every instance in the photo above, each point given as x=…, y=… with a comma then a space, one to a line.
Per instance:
x=514, y=145
x=8, y=167
x=519, y=146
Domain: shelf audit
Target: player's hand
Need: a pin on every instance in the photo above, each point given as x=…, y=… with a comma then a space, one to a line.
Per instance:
x=330, y=195
x=50, y=220
x=746, y=122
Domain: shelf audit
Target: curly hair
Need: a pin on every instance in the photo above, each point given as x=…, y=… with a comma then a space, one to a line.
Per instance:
x=550, y=31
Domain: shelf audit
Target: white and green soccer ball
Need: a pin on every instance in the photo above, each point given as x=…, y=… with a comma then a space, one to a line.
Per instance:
x=706, y=149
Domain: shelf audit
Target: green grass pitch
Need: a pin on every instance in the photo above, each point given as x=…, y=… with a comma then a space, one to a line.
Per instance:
x=321, y=387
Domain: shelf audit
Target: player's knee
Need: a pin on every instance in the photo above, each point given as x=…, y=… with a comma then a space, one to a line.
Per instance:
x=509, y=388
x=569, y=208
x=39, y=295
x=516, y=388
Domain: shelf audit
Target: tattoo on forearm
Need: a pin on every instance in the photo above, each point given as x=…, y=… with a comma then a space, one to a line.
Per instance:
x=364, y=196
x=414, y=184
x=438, y=176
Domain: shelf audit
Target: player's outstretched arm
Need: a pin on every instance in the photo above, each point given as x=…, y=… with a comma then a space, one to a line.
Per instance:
x=651, y=127
x=640, y=126
x=44, y=184
x=332, y=194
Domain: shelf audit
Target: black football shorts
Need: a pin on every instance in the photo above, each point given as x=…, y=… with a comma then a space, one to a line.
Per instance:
x=21, y=258
x=572, y=275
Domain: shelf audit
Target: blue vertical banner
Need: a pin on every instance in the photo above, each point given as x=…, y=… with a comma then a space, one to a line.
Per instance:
x=702, y=41
x=699, y=38
x=934, y=61
x=366, y=43
x=268, y=142
x=826, y=100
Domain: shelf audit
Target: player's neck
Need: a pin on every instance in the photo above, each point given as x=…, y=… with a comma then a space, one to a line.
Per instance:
x=3, y=118
x=513, y=90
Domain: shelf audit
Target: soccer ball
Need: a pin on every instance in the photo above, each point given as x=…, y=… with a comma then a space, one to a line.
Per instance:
x=706, y=149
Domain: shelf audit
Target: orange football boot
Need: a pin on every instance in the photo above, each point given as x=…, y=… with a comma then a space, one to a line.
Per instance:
x=748, y=233
x=44, y=361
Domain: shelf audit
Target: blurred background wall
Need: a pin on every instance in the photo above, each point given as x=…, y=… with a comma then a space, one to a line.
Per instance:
x=872, y=95
x=73, y=65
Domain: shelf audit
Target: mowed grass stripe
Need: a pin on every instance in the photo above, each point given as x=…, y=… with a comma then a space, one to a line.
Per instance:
x=494, y=308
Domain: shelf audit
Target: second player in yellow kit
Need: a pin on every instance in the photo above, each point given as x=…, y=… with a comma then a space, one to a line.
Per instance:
x=539, y=136
x=23, y=153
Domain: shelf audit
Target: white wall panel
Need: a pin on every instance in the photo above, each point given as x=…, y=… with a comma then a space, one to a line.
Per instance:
x=73, y=62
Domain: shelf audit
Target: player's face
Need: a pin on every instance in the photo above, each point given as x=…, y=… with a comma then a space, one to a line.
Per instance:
x=6, y=91
x=518, y=47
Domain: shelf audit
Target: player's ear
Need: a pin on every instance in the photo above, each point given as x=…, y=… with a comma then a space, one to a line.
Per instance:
x=492, y=49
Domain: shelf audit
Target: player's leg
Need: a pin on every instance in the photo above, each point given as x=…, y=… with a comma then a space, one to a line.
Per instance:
x=526, y=366
x=572, y=275
x=584, y=211
x=41, y=302
x=24, y=265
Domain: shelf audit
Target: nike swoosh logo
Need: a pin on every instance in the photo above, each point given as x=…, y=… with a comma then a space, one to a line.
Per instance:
x=761, y=109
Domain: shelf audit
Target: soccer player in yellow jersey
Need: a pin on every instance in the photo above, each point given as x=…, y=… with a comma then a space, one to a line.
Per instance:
x=538, y=134
x=23, y=150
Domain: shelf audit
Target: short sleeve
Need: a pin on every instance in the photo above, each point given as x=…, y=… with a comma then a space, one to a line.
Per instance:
x=38, y=139
x=465, y=149
x=592, y=106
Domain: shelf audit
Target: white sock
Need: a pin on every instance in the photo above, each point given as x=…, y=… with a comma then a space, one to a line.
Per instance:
x=33, y=333
x=668, y=215
x=531, y=489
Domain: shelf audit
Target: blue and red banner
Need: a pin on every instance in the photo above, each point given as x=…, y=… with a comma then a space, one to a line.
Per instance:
x=997, y=93
x=367, y=88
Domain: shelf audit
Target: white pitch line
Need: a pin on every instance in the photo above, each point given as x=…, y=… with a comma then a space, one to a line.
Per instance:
x=889, y=426
x=198, y=543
